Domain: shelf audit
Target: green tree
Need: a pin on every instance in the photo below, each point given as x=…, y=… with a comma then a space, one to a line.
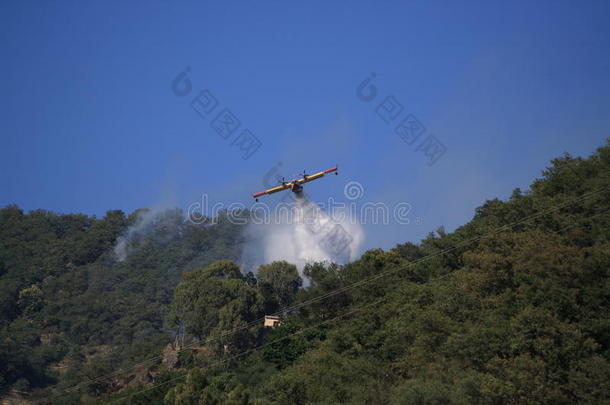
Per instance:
x=217, y=302
x=281, y=279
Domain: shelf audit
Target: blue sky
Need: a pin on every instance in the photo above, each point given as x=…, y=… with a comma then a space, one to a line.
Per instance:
x=89, y=121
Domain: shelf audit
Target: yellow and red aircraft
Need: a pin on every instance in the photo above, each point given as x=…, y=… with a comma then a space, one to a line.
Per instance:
x=296, y=185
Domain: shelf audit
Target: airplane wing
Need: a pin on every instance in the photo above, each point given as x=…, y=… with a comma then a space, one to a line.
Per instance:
x=317, y=175
x=273, y=190
x=303, y=180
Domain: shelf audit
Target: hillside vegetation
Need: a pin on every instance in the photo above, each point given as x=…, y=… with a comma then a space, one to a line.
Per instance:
x=513, y=307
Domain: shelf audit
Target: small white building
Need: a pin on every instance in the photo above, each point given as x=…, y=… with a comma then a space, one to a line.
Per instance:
x=272, y=321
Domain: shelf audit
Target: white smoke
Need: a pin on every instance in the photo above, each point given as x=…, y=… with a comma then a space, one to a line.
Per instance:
x=302, y=233
x=144, y=222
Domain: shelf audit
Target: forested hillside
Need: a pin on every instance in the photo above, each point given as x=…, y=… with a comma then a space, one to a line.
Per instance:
x=70, y=310
x=513, y=307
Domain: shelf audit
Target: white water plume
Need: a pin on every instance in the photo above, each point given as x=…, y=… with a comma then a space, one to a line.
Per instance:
x=303, y=233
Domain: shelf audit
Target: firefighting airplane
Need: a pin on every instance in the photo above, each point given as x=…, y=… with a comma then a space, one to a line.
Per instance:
x=296, y=185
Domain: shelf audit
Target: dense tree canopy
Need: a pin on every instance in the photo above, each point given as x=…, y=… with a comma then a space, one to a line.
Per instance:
x=282, y=280
x=512, y=307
